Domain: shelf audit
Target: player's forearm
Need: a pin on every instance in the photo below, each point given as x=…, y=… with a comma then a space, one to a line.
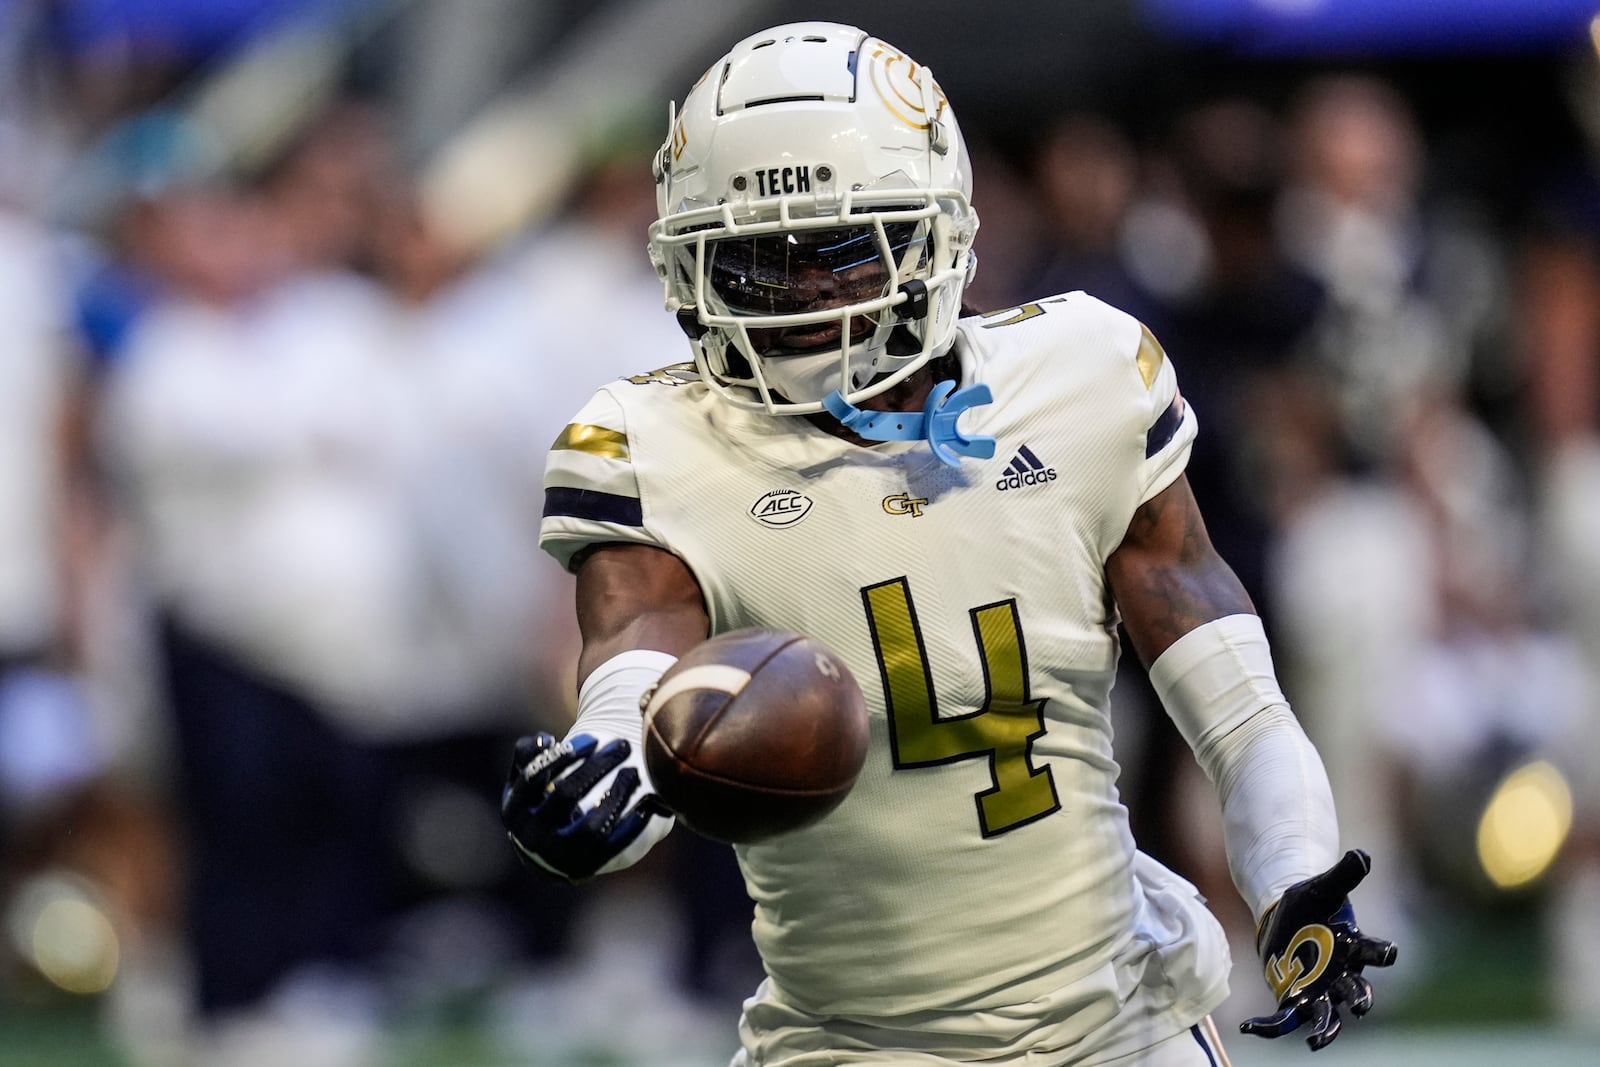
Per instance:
x=584, y=805
x=1279, y=824
x=1277, y=808
x=636, y=597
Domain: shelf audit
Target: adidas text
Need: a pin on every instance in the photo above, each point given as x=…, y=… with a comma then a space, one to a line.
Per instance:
x=1025, y=469
x=1013, y=480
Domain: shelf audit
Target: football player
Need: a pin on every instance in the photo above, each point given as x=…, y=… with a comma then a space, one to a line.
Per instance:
x=978, y=897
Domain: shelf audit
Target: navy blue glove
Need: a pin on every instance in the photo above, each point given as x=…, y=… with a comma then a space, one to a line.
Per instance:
x=555, y=823
x=1313, y=955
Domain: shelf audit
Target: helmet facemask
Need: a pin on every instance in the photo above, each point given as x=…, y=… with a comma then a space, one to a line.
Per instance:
x=792, y=304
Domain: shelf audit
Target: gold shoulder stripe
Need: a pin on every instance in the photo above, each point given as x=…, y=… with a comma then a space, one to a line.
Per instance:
x=595, y=440
x=1149, y=356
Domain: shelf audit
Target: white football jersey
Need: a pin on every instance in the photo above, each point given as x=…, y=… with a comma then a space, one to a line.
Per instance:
x=978, y=895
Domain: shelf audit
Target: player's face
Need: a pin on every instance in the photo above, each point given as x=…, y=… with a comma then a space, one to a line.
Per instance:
x=805, y=271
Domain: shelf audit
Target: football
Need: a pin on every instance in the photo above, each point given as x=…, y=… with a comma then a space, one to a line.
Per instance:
x=754, y=733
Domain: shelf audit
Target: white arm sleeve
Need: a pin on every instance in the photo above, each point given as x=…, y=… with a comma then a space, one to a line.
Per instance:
x=608, y=710
x=1279, y=825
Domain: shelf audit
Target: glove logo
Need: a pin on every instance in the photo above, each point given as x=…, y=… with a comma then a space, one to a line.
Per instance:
x=559, y=751
x=1287, y=974
x=1314, y=954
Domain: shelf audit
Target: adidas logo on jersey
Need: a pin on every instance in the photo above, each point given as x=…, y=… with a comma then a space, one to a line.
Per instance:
x=1024, y=470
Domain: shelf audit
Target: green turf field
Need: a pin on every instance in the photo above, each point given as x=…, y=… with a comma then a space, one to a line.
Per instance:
x=1480, y=1005
x=71, y=1039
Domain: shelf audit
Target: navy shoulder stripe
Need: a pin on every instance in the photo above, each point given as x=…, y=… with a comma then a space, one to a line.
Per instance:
x=592, y=505
x=1164, y=428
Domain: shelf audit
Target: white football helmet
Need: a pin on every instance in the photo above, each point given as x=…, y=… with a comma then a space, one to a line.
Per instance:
x=815, y=229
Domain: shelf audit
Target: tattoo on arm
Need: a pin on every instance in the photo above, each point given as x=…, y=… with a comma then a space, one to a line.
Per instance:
x=1167, y=578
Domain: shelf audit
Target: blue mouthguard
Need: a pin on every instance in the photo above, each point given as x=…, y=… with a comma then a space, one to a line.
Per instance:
x=935, y=423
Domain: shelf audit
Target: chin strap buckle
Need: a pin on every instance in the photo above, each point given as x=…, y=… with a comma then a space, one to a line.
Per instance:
x=935, y=423
x=689, y=322
x=916, y=303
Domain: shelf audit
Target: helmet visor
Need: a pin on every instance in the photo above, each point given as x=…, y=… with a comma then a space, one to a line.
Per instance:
x=796, y=271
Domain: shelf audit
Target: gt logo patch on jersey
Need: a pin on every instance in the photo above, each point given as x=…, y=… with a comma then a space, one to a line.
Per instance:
x=781, y=508
x=905, y=504
x=1024, y=470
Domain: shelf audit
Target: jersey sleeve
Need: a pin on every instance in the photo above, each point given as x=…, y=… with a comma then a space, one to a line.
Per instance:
x=591, y=488
x=1170, y=424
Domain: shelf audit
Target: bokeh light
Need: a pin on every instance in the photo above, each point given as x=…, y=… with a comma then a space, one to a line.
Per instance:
x=1524, y=825
x=58, y=924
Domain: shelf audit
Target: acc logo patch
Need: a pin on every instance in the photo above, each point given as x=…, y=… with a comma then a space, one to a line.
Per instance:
x=781, y=508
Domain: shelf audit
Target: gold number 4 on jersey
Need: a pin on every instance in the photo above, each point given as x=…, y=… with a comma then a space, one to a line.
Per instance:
x=1003, y=729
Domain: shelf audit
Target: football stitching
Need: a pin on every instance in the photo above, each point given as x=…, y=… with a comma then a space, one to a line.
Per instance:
x=756, y=787
x=664, y=693
x=693, y=748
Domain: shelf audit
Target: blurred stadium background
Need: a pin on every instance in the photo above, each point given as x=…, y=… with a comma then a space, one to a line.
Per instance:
x=295, y=293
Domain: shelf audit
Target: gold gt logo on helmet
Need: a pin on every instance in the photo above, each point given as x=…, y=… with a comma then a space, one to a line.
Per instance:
x=897, y=79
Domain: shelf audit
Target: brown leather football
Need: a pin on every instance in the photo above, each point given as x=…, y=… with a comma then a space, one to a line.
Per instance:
x=754, y=733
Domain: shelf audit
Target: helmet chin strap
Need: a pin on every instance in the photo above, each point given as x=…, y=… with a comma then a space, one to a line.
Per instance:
x=935, y=423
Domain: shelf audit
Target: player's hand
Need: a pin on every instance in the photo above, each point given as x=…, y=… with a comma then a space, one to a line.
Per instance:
x=1313, y=955
x=577, y=808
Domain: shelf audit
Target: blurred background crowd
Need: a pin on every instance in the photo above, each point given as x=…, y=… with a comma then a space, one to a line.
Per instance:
x=294, y=294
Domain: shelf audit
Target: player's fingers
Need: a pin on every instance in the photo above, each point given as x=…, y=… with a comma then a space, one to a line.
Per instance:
x=1353, y=991
x=1352, y=867
x=652, y=804
x=1325, y=894
x=576, y=783
x=616, y=751
x=1324, y=1023
x=595, y=837
x=1373, y=952
x=524, y=750
x=607, y=813
x=630, y=826
x=542, y=756
x=534, y=764
x=1275, y=1025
